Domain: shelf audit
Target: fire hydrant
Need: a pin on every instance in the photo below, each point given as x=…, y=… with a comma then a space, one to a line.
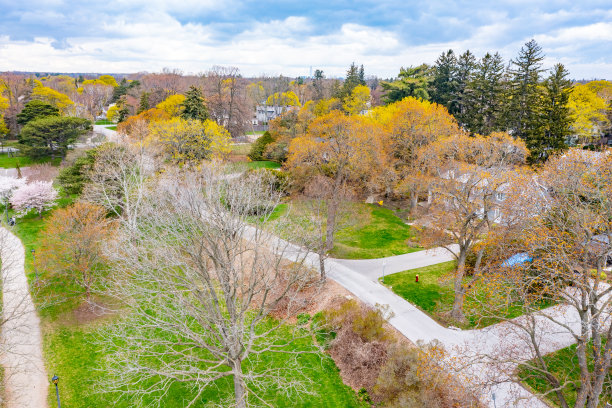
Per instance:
x=417, y=278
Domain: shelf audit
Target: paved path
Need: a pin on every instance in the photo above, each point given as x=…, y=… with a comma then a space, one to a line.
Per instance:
x=111, y=135
x=25, y=380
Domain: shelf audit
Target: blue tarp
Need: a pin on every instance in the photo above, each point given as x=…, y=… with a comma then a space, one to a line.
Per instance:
x=517, y=259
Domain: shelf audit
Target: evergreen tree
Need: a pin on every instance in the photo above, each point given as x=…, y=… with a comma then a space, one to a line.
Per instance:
x=557, y=117
x=354, y=76
x=443, y=84
x=194, y=105
x=51, y=135
x=466, y=64
x=524, y=113
x=144, y=102
x=123, y=112
x=36, y=109
x=413, y=81
x=317, y=84
x=484, y=96
x=119, y=91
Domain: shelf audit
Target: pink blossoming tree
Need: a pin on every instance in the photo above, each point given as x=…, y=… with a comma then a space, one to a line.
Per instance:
x=39, y=195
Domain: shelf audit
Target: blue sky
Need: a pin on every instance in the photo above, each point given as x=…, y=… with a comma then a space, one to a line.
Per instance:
x=274, y=37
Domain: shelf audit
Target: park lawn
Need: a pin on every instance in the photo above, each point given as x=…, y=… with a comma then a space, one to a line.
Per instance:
x=434, y=295
x=255, y=133
x=564, y=364
x=24, y=161
x=112, y=127
x=374, y=232
x=74, y=354
x=104, y=122
x=240, y=167
x=71, y=350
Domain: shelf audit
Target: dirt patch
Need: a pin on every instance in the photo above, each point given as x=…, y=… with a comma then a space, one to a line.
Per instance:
x=89, y=312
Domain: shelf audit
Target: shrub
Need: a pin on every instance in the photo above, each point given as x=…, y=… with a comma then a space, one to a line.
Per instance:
x=276, y=152
x=259, y=146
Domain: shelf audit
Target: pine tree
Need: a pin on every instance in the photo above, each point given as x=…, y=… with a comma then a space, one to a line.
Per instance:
x=123, y=112
x=557, y=118
x=484, y=96
x=443, y=85
x=525, y=108
x=354, y=76
x=194, y=105
x=466, y=64
x=144, y=102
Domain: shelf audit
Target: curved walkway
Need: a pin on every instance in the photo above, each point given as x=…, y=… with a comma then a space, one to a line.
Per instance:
x=25, y=379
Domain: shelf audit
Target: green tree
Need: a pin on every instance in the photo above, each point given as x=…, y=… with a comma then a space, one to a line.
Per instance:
x=73, y=178
x=466, y=64
x=119, y=91
x=557, y=120
x=443, y=84
x=123, y=111
x=144, y=102
x=413, y=81
x=259, y=146
x=36, y=109
x=194, y=105
x=354, y=76
x=51, y=135
x=484, y=96
x=525, y=105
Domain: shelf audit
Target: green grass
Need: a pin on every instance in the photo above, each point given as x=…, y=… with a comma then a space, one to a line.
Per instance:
x=256, y=133
x=112, y=127
x=378, y=233
x=72, y=354
x=564, y=365
x=239, y=167
x=241, y=149
x=24, y=161
x=104, y=122
x=434, y=294
x=71, y=351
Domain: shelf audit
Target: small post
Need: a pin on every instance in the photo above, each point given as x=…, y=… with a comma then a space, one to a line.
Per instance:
x=55, y=380
x=416, y=279
x=383, y=269
x=493, y=397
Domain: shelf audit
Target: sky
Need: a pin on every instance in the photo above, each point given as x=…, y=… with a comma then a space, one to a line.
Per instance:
x=293, y=37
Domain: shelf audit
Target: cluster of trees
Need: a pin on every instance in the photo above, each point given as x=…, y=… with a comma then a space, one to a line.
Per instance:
x=486, y=95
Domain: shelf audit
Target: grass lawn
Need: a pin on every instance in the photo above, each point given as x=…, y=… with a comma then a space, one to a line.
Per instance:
x=374, y=232
x=239, y=167
x=24, y=161
x=71, y=351
x=434, y=295
x=256, y=133
x=564, y=364
x=112, y=127
x=241, y=148
x=104, y=122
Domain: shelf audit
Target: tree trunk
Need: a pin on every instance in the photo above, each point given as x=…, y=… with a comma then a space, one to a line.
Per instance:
x=332, y=211
x=322, y=263
x=457, y=312
x=414, y=200
x=239, y=386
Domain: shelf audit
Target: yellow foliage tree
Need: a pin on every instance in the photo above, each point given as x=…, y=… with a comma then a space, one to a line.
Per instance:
x=112, y=113
x=102, y=80
x=358, y=100
x=589, y=111
x=51, y=96
x=172, y=105
x=188, y=140
x=283, y=99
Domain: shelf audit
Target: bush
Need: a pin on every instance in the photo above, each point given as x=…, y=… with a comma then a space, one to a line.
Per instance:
x=280, y=180
x=276, y=152
x=259, y=146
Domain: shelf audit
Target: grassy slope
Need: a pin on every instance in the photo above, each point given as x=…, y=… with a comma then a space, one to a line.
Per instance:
x=71, y=353
x=379, y=234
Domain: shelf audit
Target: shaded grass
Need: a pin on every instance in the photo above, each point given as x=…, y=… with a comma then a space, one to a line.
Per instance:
x=564, y=365
x=434, y=294
x=24, y=161
x=74, y=355
x=379, y=234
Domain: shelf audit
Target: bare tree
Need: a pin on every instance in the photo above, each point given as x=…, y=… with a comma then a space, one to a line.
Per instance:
x=567, y=245
x=118, y=180
x=202, y=278
x=227, y=99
